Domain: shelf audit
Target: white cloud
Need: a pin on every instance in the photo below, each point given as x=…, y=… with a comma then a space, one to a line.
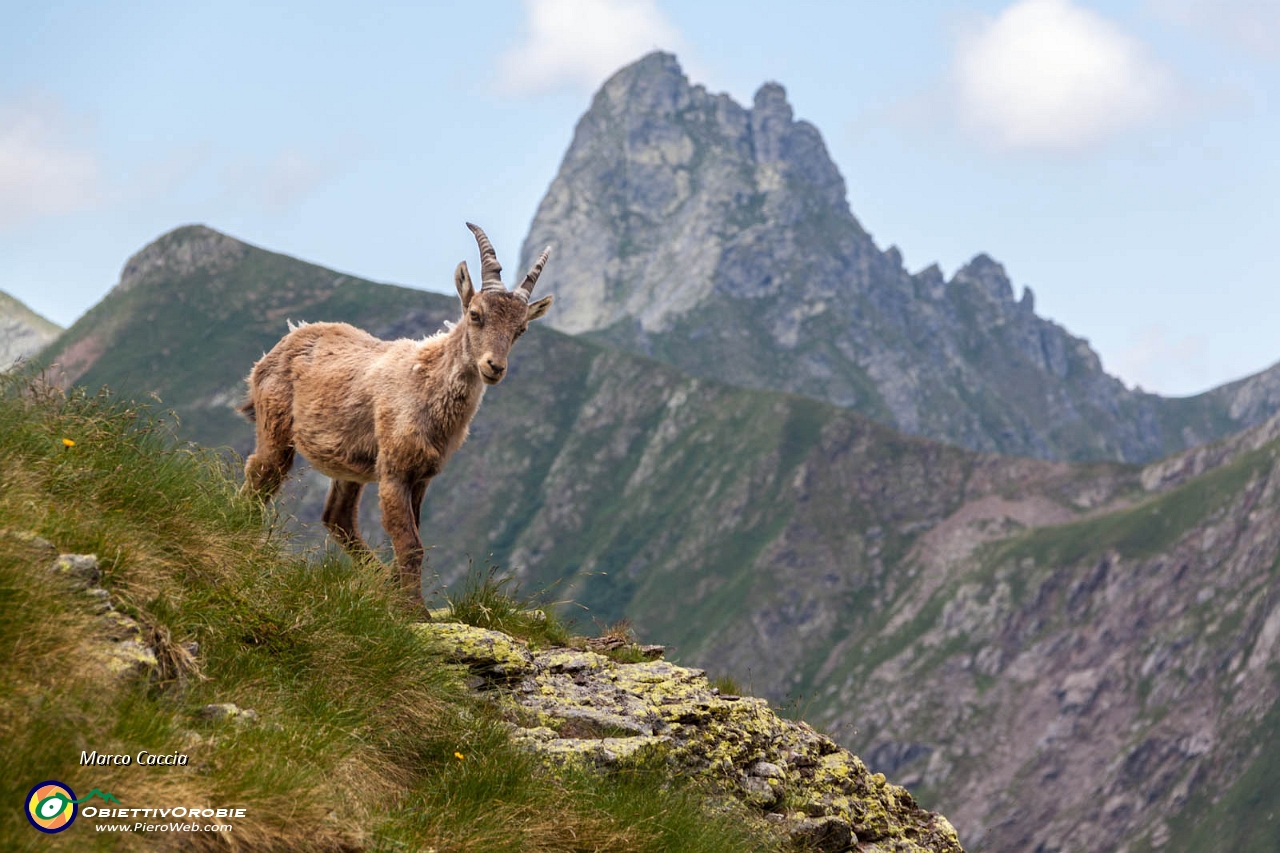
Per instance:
x=292, y=176
x=1158, y=361
x=1251, y=24
x=163, y=175
x=579, y=43
x=1049, y=74
x=43, y=169
x=283, y=181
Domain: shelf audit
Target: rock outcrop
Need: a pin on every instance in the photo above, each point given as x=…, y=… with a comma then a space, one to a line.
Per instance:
x=181, y=253
x=718, y=238
x=120, y=643
x=574, y=705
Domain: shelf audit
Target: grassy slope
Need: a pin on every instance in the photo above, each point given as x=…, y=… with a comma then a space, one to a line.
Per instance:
x=1245, y=817
x=361, y=725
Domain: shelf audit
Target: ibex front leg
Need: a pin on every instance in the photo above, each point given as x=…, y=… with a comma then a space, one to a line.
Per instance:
x=400, y=517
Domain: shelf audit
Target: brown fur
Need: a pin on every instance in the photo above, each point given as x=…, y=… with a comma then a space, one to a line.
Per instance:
x=364, y=410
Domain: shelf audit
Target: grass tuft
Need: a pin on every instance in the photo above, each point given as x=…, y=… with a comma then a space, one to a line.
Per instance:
x=727, y=685
x=488, y=600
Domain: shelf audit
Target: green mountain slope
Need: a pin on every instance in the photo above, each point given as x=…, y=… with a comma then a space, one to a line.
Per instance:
x=961, y=618
x=718, y=238
x=1112, y=679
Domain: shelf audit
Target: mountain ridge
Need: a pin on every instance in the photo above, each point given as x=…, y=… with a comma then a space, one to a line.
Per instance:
x=719, y=238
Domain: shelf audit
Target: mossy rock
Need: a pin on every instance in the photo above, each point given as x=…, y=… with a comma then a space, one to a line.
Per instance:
x=579, y=708
x=490, y=653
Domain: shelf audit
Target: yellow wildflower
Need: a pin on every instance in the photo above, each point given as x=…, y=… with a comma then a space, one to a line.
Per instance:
x=68, y=442
x=459, y=756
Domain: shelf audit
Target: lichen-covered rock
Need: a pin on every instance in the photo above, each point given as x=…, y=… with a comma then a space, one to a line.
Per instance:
x=130, y=659
x=121, y=645
x=579, y=707
x=825, y=834
x=228, y=711
x=31, y=540
x=100, y=600
x=81, y=569
x=489, y=653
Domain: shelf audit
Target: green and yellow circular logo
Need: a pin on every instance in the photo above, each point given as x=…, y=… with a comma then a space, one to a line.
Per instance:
x=51, y=806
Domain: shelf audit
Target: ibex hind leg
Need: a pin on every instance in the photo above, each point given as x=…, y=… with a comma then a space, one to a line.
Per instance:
x=418, y=494
x=341, y=517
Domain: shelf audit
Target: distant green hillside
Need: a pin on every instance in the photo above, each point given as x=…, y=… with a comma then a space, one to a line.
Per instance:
x=959, y=618
x=23, y=332
x=190, y=333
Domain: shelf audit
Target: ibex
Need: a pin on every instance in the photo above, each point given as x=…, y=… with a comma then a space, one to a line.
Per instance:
x=363, y=410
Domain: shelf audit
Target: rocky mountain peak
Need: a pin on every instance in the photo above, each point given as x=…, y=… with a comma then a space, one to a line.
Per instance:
x=654, y=84
x=179, y=253
x=986, y=277
x=771, y=120
x=669, y=195
x=930, y=282
x=1028, y=301
x=719, y=238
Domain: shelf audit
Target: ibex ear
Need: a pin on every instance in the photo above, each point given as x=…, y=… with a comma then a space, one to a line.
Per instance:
x=537, y=309
x=462, y=280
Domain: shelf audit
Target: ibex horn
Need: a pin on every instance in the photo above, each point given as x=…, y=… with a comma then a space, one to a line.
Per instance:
x=525, y=290
x=490, y=269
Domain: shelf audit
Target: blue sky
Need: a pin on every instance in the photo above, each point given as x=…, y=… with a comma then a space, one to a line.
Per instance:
x=1118, y=157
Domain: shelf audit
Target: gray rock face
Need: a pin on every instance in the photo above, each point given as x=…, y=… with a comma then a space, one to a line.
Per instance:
x=657, y=171
x=719, y=238
x=180, y=253
x=23, y=332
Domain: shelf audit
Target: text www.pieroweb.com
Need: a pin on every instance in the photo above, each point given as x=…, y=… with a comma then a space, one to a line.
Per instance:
x=151, y=824
x=163, y=827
